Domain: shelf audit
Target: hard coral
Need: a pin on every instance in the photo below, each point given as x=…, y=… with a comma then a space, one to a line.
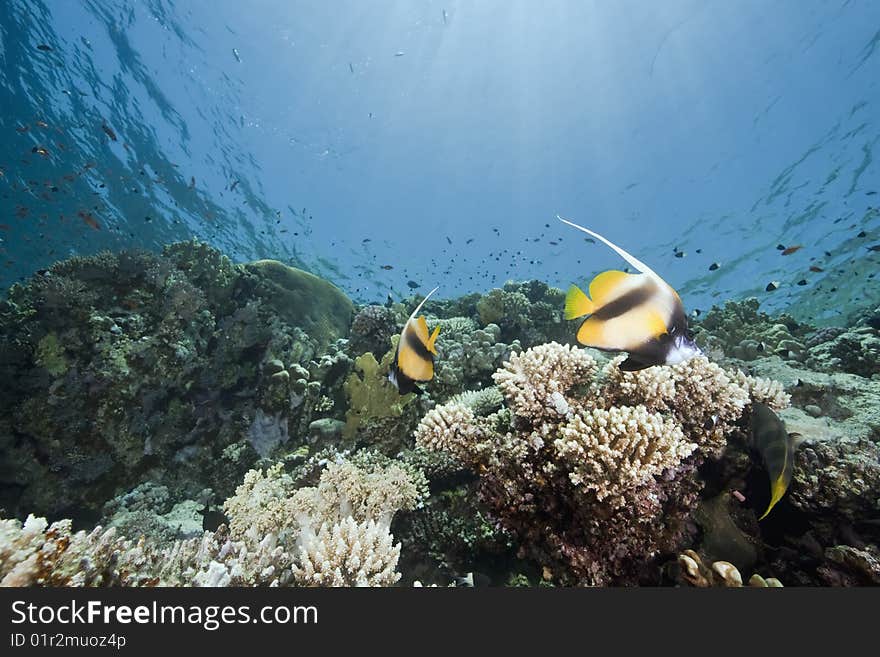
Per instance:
x=593, y=471
x=467, y=356
x=371, y=330
x=115, y=364
x=271, y=539
x=371, y=395
x=348, y=553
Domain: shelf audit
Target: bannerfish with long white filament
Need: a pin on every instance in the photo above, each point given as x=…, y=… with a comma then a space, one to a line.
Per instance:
x=637, y=313
x=414, y=359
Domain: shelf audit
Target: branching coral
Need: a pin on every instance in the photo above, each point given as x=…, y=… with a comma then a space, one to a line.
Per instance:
x=535, y=381
x=271, y=540
x=452, y=428
x=348, y=553
x=609, y=451
x=593, y=471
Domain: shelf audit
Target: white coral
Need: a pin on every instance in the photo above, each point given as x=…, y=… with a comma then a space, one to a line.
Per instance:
x=530, y=379
x=348, y=553
x=612, y=451
x=270, y=529
x=451, y=428
x=766, y=391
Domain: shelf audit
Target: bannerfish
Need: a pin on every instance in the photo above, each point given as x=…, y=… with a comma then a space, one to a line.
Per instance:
x=414, y=359
x=776, y=447
x=637, y=313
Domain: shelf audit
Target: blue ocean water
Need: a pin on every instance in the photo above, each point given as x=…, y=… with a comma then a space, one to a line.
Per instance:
x=434, y=142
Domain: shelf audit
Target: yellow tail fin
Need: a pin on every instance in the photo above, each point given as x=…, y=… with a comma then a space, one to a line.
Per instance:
x=432, y=340
x=577, y=304
x=777, y=490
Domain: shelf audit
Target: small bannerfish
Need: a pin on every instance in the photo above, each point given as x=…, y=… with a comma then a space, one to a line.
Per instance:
x=776, y=447
x=637, y=313
x=414, y=359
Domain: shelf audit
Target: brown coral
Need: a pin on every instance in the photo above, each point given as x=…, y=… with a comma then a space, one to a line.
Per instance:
x=594, y=472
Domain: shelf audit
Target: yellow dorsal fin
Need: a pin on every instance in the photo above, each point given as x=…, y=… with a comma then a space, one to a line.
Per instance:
x=432, y=340
x=577, y=304
x=604, y=287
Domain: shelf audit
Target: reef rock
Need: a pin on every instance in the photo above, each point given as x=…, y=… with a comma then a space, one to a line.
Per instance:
x=181, y=369
x=302, y=299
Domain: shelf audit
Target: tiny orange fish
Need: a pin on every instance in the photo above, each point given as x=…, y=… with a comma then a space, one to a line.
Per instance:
x=89, y=219
x=816, y=269
x=387, y=267
x=792, y=249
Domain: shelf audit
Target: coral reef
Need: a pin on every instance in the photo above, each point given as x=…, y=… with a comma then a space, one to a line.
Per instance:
x=467, y=356
x=592, y=471
x=740, y=330
x=856, y=350
x=371, y=330
x=839, y=479
x=119, y=369
x=530, y=312
x=137, y=390
x=825, y=406
x=334, y=534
